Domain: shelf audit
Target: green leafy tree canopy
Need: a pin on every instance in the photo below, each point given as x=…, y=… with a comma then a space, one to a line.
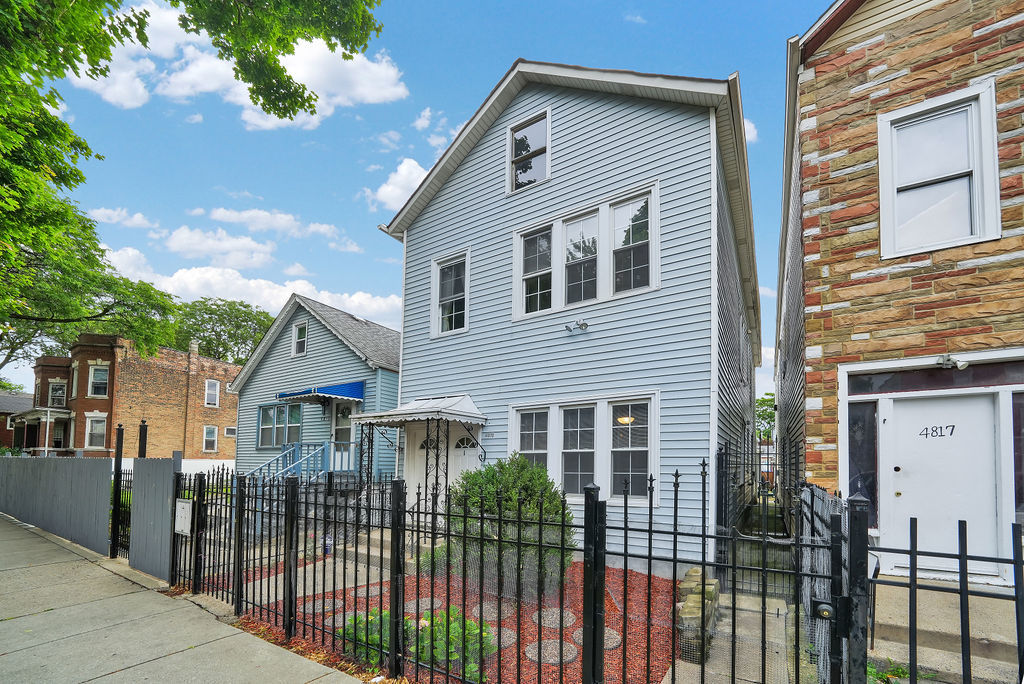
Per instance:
x=764, y=416
x=226, y=329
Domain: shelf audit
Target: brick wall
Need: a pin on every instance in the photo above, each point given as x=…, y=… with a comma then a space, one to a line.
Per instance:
x=857, y=307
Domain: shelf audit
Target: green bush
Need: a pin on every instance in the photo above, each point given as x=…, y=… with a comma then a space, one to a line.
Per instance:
x=368, y=636
x=450, y=640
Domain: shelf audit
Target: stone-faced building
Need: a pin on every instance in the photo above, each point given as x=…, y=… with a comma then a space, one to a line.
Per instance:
x=79, y=400
x=900, y=320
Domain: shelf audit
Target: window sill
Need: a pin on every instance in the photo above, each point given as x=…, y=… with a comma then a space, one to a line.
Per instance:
x=211, y=405
x=938, y=247
x=449, y=333
x=519, y=191
x=582, y=305
x=94, y=448
x=97, y=396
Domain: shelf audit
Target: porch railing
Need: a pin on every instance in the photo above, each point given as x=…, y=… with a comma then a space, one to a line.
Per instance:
x=311, y=460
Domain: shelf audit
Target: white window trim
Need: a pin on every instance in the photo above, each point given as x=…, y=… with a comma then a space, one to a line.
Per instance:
x=509, y=190
x=602, y=404
x=985, y=213
x=206, y=394
x=215, y=439
x=295, y=338
x=234, y=431
x=93, y=365
x=90, y=418
x=10, y=422
x=55, y=382
x=605, y=256
x=435, y=288
x=74, y=379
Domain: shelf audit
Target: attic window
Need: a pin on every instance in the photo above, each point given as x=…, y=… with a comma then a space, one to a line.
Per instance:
x=299, y=331
x=528, y=152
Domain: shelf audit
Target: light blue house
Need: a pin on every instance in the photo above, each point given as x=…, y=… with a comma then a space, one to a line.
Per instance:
x=580, y=286
x=314, y=368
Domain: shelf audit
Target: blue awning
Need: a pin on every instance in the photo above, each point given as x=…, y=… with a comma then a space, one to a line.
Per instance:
x=343, y=390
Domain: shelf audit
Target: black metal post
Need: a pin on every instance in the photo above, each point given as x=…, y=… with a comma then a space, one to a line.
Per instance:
x=115, y=494
x=239, y=565
x=593, y=584
x=912, y=597
x=198, y=530
x=396, y=647
x=1018, y=595
x=173, y=581
x=835, y=651
x=291, y=552
x=143, y=438
x=965, y=608
x=857, y=644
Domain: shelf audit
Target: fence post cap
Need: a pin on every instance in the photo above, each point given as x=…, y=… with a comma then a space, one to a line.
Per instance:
x=858, y=500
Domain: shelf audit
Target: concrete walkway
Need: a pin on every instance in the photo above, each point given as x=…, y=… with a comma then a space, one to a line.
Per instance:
x=70, y=615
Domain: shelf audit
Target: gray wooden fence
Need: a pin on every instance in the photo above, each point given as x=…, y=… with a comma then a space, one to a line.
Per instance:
x=152, y=525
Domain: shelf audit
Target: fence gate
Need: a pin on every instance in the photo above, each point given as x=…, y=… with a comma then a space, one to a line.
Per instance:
x=120, y=502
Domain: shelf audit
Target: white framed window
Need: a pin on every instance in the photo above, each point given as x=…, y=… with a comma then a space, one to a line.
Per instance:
x=596, y=252
x=10, y=422
x=58, y=394
x=449, y=285
x=280, y=424
x=38, y=392
x=213, y=393
x=74, y=379
x=95, y=433
x=230, y=431
x=533, y=436
x=300, y=332
x=938, y=173
x=209, y=438
x=528, y=157
x=607, y=440
x=99, y=377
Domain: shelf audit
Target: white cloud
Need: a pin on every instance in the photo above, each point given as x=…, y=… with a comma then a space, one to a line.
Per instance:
x=374, y=167
x=193, y=283
x=345, y=244
x=437, y=141
x=122, y=216
x=194, y=118
x=423, y=120
x=388, y=260
x=750, y=130
x=635, y=19
x=260, y=220
x=767, y=292
x=197, y=211
x=764, y=377
x=158, y=234
x=224, y=249
x=296, y=269
x=189, y=67
x=396, y=189
x=388, y=140
x=238, y=194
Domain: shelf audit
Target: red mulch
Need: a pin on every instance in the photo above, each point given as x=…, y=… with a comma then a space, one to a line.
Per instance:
x=647, y=649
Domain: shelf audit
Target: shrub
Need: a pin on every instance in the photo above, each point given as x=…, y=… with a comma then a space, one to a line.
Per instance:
x=368, y=636
x=450, y=640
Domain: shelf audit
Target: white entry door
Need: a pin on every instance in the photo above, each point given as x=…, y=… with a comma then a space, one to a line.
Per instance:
x=939, y=463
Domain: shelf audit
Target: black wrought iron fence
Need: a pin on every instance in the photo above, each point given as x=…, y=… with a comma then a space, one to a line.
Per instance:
x=121, y=512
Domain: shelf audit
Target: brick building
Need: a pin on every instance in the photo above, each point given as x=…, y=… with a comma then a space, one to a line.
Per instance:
x=11, y=403
x=900, y=370
x=80, y=399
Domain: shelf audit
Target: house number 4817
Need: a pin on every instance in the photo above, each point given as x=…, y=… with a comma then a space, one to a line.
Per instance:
x=937, y=431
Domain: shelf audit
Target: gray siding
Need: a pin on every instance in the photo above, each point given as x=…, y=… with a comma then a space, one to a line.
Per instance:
x=735, y=357
x=656, y=340
x=328, y=360
x=387, y=398
x=789, y=370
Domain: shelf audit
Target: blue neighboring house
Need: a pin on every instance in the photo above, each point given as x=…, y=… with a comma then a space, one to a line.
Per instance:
x=580, y=287
x=314, y=369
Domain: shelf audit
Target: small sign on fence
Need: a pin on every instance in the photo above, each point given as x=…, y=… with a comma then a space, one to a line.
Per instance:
x=183, y=516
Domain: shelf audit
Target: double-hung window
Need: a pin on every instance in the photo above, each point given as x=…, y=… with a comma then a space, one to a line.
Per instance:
x=593, y=254
x=58, y=392
x=98, y=378
x=630, y=456
x=212, y=393
x=280, y=424
x=209, y=438
x=299, y=333
x=581, y=259
x=95, y=433
x=450, y=295
x=577, y=448
x=533, y=436
x=938, y=174
x=537, y=270
x=528, y=152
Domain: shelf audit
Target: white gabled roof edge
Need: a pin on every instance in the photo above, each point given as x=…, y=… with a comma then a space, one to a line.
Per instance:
x=722, y=95
x=457, y=407
x=294, y=301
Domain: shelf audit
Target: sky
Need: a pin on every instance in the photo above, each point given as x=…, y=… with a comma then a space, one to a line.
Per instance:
x=203, y=194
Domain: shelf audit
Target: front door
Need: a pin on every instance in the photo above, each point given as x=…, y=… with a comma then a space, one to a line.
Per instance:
x=939, y=463
x=344, y=451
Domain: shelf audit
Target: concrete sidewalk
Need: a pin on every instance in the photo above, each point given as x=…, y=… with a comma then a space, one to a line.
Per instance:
x=70, y=615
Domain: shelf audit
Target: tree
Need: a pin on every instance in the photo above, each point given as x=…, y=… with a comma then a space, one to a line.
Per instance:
x=42, y=232
x=226, y=329
x=764, y=416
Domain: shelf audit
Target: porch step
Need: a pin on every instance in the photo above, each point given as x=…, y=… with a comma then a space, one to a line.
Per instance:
x=944, y=665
